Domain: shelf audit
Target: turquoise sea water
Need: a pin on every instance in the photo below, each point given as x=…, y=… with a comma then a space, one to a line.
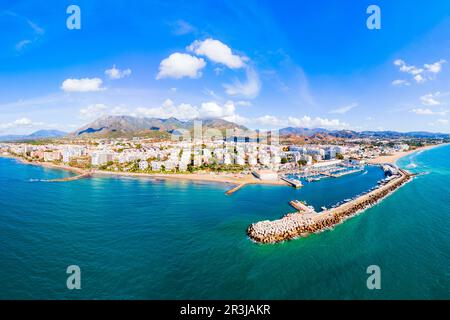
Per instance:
x=147, y=239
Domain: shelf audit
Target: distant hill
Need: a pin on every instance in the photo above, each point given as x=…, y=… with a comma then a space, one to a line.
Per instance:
x=41, y=134
x=414, y=134
x=301, y=131
x=117, y=125
x=350, y=134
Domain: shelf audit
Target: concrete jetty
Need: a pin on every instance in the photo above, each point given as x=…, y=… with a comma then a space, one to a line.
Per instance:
x=341, y=174
x=74, y=178
x=233, y=190
x=301, y=207
x=295, y=183
x=298, y=224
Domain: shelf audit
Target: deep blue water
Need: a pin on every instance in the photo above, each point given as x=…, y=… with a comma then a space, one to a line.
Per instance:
x=147, y=239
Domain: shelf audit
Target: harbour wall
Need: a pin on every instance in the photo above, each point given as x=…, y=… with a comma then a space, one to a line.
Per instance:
x=299, y=224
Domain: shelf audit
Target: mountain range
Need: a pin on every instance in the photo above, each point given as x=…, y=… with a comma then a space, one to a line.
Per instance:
x=112, y=126
x=350, y=134
x=128, y=124
x=38, y=135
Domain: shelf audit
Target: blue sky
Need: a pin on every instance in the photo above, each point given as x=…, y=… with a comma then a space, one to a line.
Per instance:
x=264, y=64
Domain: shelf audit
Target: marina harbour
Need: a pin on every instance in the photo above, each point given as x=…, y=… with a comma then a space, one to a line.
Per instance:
x=328, y=169
x=333, y=175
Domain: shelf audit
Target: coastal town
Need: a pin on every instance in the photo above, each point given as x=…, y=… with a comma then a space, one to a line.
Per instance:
x=235, y=162
x=264, y=161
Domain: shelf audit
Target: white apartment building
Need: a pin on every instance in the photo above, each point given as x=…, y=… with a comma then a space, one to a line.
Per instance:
x=52, y=156
x=143, y=165
x=156, y=165
x=71, y=152
x=100, y=158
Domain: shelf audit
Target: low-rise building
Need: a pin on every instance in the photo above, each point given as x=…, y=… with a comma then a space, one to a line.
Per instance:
x=267, y=175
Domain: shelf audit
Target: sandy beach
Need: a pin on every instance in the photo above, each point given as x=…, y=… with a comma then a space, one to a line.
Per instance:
x=394, y=157
x=235, y=179
x=47, y=165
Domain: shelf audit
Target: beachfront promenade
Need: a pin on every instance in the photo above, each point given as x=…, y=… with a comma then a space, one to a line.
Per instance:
x=305, y=222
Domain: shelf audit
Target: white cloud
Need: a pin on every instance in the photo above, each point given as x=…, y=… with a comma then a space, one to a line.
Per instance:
x=119, y=111
x=435, y=67
x=211, y=110
x=38, y=32
x=309, y=122
x=179, y=65
x=419, y=74
x=218, y=71
x=183, y=111
x=82, y=85
x=214, y=110
x=406, y=68
x=249, y=89
x=115, y=73
x=217, y=52
x=419, y=78
x=442, y=121
x=181, y=27
x=430, y=99
x=345, y=109
x=211, y=93
x=22, y=122
x=37, y=29
x=271, y=122
x=400, y=82
x=421, y=111
x=168, y=109
x=235, y=118
x=243, y=103
x=19, y=123
x=429, y=112
x=23, y=44
x=93, y=111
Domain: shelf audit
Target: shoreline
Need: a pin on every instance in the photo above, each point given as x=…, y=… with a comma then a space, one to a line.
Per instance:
x=47, y=165
x=233, y=179
x=226, y=179
x=392, y=159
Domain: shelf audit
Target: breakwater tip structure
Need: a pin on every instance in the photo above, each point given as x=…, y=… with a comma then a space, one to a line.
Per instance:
x=305, y=222
x=73, y=178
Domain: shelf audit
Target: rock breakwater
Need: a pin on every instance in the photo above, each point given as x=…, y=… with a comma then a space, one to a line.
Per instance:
x=299, y=224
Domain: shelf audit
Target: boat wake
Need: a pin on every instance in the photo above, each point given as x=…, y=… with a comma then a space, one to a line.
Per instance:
x=37, y=180
x=411, y=166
